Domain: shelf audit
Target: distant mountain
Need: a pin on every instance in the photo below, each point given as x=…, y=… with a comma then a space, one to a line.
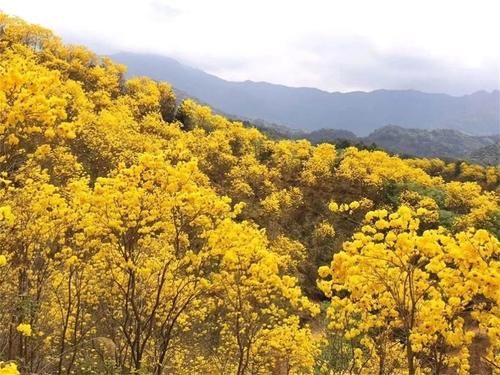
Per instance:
x=312, y=109
x=487, y=155
x=322, y=135
x=429, y=143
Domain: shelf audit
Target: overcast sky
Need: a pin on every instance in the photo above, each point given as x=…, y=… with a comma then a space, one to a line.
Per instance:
x=449, y=46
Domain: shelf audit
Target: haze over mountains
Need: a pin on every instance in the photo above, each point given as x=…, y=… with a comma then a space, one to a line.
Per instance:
x=311, y=109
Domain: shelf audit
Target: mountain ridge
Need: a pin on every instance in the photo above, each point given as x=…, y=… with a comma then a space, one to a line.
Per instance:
x=312, y=109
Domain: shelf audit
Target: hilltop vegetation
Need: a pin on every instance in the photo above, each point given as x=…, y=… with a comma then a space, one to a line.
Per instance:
x=142, y=236
x=442, y=143
x=487, y=155
x=450, y=145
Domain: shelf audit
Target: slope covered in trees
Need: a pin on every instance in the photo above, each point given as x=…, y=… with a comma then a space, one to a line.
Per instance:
x=139, y=236
x=430, y=143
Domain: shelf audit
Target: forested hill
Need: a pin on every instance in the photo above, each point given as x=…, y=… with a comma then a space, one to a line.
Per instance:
x=312, y=109
x=444, y=143
x=430, y=143
x=441, y=143
x=144, y=236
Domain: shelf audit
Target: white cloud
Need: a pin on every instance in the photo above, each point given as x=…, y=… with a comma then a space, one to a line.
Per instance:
x=288, y=42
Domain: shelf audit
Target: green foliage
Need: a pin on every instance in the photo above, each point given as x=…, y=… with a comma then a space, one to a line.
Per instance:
x=392, y=192
x=447, y=218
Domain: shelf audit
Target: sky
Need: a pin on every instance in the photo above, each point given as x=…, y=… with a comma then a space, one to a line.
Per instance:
x=445, y=46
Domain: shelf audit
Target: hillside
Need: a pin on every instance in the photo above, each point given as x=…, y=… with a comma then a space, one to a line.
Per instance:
x=442, y=143
x=141, y=235
x=486, y=155
x=325, y=135
x=312, y=109
x=429, y=143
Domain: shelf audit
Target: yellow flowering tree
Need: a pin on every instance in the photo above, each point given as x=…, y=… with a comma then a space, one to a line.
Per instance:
x=416, y=299
x=147, y=224
x=256, y=299
x=40, y=223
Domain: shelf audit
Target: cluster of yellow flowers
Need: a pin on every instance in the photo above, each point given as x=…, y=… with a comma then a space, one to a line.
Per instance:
x=350, y=207
x=24, y=329
x=487, y=177
x=6, y=215
x=377, y=168
x=8, y=369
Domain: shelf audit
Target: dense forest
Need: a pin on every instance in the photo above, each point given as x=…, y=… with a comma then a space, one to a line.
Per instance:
x=143, y=236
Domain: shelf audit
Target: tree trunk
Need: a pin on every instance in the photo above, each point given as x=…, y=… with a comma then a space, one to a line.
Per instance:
x=410, y=357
